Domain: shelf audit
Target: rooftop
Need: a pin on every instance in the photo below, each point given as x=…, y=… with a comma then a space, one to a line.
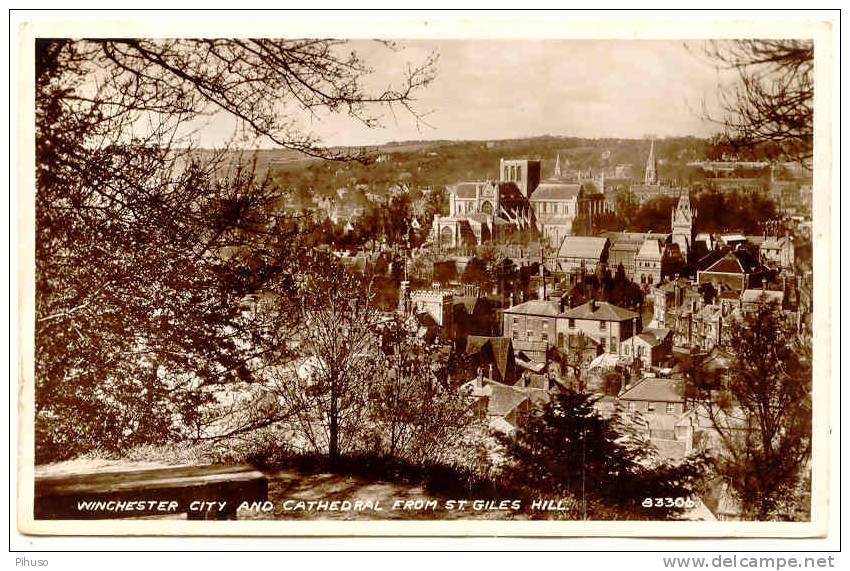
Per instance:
x=655, y=389
x=651, y=249
x=555, y=191
x=582, y=247
x=599, y=311
x=735, y=262
x=536, y=307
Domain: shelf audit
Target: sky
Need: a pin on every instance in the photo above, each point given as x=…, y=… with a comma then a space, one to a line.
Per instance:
x=503, y=89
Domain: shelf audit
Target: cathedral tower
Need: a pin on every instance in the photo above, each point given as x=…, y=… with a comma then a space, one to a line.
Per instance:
x=682, y=224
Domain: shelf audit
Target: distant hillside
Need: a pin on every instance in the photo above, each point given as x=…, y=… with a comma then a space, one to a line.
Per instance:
x=437, y=163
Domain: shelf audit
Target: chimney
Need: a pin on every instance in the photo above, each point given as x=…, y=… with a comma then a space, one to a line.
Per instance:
x=479, y=379
x=593, y=304
x=511, y=302
x=490, y=372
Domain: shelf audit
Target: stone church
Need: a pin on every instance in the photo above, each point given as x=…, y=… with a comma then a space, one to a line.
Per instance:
x=520, y=201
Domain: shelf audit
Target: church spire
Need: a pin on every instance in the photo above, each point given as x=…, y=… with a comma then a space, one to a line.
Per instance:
x=557, y=172
x=651, y=176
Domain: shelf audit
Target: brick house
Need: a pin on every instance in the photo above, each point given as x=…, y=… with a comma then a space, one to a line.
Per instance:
x=607, y=325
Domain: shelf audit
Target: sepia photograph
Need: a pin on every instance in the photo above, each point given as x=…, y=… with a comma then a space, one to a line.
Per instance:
x=288, y=281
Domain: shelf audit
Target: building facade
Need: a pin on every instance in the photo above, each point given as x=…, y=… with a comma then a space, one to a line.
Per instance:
x=602, y=323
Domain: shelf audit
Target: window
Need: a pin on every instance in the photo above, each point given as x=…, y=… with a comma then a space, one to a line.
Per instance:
x=602, y=344
x=544, y=336
x=631, y=406
x=516, y=321
x=650, y=407
x=603, y=325
x=516, y=335
x=572, y=323
x=670, y=408
x=530, y=334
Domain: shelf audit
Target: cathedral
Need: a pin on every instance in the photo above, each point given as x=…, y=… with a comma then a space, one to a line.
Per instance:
x=520, y=201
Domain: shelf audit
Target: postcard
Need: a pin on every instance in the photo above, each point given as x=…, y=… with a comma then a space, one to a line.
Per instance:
x=378, y=274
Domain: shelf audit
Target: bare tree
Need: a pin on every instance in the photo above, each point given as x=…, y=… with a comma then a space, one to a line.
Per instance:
x=146, y=249
x=760, y=410
x=416, y=413
x=771, y=102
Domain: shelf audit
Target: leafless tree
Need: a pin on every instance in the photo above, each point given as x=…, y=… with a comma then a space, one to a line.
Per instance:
x=147, y=248
x=771, y=102
x=760, y=409
x=416, y=414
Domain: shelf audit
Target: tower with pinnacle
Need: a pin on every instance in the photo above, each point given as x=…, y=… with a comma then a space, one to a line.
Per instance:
x=682, y=224
x=557, y=173
x=651, y=176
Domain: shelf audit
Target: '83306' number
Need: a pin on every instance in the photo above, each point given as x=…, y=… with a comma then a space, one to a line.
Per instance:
x=679, y=502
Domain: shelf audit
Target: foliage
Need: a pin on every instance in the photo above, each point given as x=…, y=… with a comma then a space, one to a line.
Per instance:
x=568, y=449
x=771, y=102
x=761, y=409
x=416, y=414
x=148, y=251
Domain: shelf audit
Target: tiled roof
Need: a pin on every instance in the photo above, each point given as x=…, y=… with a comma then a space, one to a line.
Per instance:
x=465, y=189
x=495, y=349
x=649, y=339
x=504, y=399
x=654, y=389
x=555, y=191
x=731, y=263
x=582, y=247
x=651, y=249
x=603, y=311
x=634, y=237
x=625, y=246
x=536, y=307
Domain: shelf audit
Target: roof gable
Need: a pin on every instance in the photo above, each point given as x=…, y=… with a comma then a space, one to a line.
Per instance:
x=536, y=307
x=728, y=264
x=603, y=311
x=555, y=191
x=582, y=247
x=654, y=389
